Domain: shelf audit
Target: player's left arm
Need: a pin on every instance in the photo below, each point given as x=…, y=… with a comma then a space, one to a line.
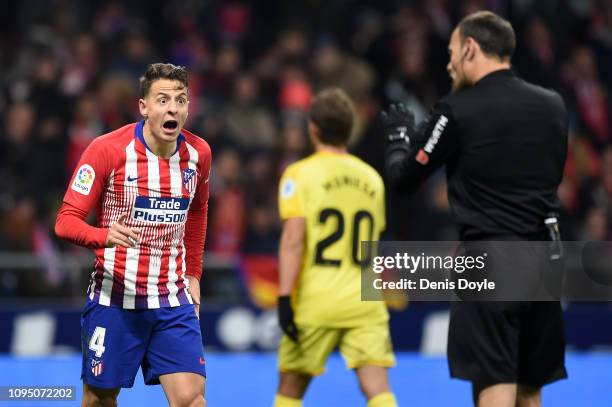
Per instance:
x=195, y=234
x=290, y=259
x=290, y=253
x=291, y=207
x=413, y=154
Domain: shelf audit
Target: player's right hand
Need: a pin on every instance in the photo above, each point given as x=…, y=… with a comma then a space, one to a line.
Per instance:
x=121, y=235
x=285, y=317
x=398, y=122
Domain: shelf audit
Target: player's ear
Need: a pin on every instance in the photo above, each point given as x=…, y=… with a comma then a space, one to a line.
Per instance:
x=313, y=130
x=142, y=106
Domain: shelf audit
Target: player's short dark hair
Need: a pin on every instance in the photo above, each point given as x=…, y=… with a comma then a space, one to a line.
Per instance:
x=493, y=33
x=162, y=71
x=333, y=112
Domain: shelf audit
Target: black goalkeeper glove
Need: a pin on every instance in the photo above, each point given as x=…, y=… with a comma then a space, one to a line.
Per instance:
x=398, y=122
x=285, y=317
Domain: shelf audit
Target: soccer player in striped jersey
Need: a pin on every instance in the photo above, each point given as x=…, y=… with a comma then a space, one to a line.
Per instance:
x=330, y=202
x=148, y=182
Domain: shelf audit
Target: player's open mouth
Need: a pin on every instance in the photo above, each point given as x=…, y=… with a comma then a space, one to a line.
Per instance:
x=170, y=126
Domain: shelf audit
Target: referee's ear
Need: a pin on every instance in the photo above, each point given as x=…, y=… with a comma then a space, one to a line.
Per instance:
x=471, y=47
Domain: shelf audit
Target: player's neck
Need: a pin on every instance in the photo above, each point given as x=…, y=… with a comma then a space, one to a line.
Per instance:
x=325, y=148
x=158, y=147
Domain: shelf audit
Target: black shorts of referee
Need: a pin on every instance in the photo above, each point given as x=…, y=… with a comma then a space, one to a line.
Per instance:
x=507, y=342
x=517, y=335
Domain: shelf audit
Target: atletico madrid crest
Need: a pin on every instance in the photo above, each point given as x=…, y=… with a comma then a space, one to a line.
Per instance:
x=189, y=179
x=97, y=367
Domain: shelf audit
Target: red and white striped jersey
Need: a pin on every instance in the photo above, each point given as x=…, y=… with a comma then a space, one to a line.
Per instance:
x=118, y=174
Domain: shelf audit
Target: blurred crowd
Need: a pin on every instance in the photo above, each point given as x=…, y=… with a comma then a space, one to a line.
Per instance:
x=69, y=73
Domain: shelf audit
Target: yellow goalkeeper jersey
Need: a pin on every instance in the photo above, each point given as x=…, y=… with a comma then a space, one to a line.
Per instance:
x=343, y=202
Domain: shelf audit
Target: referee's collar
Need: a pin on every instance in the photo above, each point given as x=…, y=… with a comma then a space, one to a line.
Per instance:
x=500, y=73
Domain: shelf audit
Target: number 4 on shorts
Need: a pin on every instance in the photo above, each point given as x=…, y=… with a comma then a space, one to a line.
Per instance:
x=96, y=343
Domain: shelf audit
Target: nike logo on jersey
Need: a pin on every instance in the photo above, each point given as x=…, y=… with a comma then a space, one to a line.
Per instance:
x=131, y=179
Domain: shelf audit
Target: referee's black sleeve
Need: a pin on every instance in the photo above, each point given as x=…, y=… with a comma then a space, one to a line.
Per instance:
x=407, y=166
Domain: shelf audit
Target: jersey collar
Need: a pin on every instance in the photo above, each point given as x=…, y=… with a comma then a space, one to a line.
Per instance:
x=506, y=73
x=140, y=136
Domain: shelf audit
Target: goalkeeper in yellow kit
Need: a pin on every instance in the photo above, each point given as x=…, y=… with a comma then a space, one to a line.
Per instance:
x=330, y=202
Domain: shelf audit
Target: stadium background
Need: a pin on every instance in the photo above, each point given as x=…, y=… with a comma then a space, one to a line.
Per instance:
x=69, y=71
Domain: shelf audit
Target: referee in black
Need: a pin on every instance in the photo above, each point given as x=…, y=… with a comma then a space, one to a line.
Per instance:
x=504, y=143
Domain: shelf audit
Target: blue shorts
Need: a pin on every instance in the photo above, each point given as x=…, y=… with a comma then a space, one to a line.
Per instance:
x=116, y=342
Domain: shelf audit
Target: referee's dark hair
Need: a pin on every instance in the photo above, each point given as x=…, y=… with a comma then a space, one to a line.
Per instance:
x=162, y=71
x=493, y=33
x=333, y=112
